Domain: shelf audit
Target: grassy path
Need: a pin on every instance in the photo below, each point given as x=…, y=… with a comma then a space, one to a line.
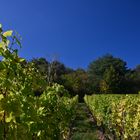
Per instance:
x=83, y=127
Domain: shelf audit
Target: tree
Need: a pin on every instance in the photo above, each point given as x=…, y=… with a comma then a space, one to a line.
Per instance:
x=97, y=69
x=52, y=71
x=77, y=83
x=57, y=69
x=111, y=82
x=134, y=79
x=42, y=65
x=137, y=71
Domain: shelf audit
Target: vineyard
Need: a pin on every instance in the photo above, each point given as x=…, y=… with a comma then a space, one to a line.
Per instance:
x=31, y=108
x=24, y=116
x=119, y=115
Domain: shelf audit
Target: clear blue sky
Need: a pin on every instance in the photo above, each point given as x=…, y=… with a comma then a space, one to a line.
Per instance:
x=76, y=31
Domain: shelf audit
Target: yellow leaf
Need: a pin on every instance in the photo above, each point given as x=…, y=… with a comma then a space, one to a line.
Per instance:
x=118, y=120
x=22, y=59
x=1, y=96
x=9, y=118
x=2, y=44
x=8, y=33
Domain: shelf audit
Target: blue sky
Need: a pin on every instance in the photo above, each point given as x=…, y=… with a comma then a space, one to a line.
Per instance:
x=75, y=31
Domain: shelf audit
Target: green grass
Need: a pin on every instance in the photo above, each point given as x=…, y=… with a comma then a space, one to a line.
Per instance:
x=84, y=136
x=83, y=125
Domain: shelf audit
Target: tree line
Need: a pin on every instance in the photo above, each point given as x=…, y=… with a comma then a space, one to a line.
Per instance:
x=105, y=75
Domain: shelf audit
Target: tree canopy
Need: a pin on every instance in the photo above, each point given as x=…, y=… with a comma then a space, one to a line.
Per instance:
x=103, y=67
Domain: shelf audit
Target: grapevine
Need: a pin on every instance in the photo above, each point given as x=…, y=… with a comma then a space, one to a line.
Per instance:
x=22, y=114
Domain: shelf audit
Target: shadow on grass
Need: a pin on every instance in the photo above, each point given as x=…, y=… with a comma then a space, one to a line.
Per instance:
x=83, y=127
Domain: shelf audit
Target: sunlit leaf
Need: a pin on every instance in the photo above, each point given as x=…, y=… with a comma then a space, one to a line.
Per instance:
x=22, y=59
x=2, y=44
x=8, y=33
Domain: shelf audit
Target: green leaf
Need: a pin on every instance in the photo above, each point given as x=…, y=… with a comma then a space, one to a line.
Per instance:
x=8, y=33
x=4, y=39
x=17, y=41
x=1, y=28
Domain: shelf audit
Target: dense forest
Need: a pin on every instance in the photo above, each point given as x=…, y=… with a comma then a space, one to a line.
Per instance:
x=105, y=75
x=39, y=99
